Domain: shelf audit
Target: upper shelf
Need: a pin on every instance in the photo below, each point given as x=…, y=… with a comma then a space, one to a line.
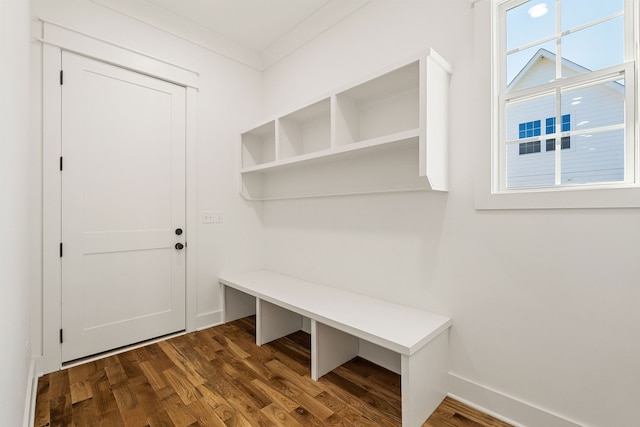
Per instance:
x=298, y=154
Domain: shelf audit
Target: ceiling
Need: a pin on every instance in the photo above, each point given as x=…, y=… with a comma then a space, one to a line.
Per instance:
x=254, y=24
x=256, y=32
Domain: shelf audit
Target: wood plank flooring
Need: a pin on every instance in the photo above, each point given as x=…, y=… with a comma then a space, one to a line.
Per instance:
x=219, y=377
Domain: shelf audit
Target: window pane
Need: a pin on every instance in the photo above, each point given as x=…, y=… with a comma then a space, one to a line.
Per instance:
x=529, y=170
x=593, y=48
x=594, y=157
x=530, y=22
x=580, y=12
x=531, y=67
x=528, y=116
x=597, y=158
x=528, y=164
x=594, y=106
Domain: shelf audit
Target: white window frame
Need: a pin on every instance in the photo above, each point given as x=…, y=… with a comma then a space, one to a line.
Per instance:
x=619, y=194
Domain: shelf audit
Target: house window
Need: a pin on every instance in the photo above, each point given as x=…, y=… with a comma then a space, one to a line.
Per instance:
x=565, y=141
x=533, y=129
x=529, y=129
x=530, y=147
x=570, y=63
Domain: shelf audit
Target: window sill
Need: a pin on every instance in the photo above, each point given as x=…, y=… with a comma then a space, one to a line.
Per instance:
x=570, y=198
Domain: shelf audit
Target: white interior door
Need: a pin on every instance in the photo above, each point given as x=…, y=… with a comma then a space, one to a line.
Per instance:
x=123, y=198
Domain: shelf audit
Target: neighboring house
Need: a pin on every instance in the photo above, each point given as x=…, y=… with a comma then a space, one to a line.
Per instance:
x=586, y=157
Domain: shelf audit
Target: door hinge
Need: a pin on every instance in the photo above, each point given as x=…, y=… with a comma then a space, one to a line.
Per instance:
x=61, y=340
x=60, y=162
x=60, y=249
x=61, y=77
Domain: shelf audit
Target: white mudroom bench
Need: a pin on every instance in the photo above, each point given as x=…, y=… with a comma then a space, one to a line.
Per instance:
x=411, y=342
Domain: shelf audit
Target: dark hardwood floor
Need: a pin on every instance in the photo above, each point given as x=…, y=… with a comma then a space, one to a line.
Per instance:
x=219, y=377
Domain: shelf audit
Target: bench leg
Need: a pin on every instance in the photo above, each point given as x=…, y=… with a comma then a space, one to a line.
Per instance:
x=330, y=348
x=273, y=322
x=424, y=381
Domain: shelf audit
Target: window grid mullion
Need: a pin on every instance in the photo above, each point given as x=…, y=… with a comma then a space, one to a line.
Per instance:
x=558, y=160
x=558, y=39
x=608, y=74
x=573, y=133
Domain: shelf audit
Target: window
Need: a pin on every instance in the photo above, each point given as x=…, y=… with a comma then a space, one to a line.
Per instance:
x=565, y=141
x=529, y=129
x=565, y=77
x=532, y=129
x=529, y=147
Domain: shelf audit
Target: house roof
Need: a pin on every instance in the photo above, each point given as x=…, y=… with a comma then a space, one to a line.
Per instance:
x=543, y=54
x=539, y=56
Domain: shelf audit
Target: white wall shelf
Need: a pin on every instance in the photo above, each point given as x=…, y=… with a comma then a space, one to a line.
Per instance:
x=384, y=134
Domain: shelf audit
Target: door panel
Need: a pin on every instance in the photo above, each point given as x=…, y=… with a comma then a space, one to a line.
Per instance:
x=123, y=196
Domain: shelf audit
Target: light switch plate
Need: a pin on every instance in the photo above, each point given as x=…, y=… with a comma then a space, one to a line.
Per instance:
x=212, y=217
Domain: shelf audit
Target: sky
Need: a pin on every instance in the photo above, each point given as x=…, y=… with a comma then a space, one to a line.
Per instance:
x=594, y=48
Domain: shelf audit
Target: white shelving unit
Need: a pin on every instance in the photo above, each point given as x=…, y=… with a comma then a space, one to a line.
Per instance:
x=385, y=134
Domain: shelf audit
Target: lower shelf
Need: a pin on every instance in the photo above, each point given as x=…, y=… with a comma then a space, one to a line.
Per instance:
x=383, y=169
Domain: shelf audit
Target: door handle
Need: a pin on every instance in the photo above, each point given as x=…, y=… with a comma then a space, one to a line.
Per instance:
x=179, y=246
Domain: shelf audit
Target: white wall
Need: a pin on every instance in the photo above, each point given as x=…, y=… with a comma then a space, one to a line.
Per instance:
x=228, y=101
x=14, y=209
x=544, y=303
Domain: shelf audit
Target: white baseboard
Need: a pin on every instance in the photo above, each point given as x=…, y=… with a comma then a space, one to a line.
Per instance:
x=30, y=395
x=503, y=407
x=208, y=320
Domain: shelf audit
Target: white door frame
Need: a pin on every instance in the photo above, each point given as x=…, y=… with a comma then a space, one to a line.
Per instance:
x=57, y=38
